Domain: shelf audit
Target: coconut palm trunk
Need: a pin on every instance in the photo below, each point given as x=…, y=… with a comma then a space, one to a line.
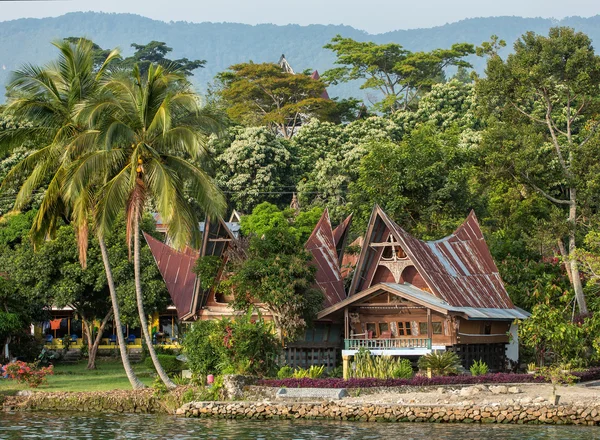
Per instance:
x=133, y=379
x=140, y=301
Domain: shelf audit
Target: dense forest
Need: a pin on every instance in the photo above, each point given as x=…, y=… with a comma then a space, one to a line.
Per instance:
x=224, y=44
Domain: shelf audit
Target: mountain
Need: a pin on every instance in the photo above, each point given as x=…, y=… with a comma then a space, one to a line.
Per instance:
x=223, y=44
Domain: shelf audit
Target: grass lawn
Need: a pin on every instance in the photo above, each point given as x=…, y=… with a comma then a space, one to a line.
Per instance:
x=109, y=375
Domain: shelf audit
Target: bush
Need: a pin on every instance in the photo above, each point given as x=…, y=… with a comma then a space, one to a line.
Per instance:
x=443, y=363
x=415, y=381
x=479, y=368
x=314, y=372
x=404, y=370
x=380, y=367
x=285, y=372
x=30, y=374
x=168, y=362
x=246, y=345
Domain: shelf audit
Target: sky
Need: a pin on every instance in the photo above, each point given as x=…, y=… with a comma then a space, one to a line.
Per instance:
x=374, y=16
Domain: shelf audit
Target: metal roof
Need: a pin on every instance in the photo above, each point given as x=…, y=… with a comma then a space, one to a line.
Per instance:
x=176, y=269
x=472, y=312
x=321, y=244
x=458, y=269
x=426, y=299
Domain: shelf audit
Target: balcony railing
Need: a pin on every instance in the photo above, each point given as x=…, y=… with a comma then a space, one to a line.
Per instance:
x=387, y=344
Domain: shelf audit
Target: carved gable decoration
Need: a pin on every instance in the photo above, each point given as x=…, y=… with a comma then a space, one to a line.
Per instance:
x=458, y=269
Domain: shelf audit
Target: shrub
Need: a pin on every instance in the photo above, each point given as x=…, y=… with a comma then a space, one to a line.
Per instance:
x=30, y=374
x=380, y=367
x=314, y=372
x=415, y=381
x=168, y=362
x=285, y=372
x=479, y=368
x=443, y=363
x=246, y=345
x=404, y=370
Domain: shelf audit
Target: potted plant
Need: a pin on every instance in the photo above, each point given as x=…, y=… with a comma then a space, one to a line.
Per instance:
x=556, y=375
x=531, y=368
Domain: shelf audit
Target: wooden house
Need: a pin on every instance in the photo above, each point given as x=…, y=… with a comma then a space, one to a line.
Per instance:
x=409, y=297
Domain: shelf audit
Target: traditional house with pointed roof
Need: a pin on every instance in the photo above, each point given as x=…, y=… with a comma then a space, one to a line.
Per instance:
x=409, y=297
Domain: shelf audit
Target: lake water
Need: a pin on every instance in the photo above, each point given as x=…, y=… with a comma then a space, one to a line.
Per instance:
x=66, y=426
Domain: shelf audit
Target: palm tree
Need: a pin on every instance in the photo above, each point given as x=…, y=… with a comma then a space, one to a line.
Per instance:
x=152, y=131
x=47, y=97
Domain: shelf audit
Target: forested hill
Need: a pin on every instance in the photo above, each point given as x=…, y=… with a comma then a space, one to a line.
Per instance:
x=222, y=44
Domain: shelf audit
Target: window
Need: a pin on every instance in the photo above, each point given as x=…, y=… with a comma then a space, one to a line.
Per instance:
x=387, y=253
x=404, y=329
x=383, y=327
x=400, y=254
x=372, y=329
x=436, y=328
x=487, y=329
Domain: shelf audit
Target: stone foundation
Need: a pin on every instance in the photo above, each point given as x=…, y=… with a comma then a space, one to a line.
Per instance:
x=519, y=414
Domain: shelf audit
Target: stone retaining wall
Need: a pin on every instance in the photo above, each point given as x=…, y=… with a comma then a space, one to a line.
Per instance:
x=533, y=414
x=141, y=401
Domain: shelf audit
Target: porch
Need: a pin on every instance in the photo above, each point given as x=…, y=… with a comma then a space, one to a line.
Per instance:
x=391, y=346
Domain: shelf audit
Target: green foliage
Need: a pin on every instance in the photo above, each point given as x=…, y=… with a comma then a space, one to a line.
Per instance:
x=479, y=368
x=154, y=52
x=263, y=94
x=254, y=166
x=404, y=370
x=554, y=337
x=314, y=372
x=399, y=74
x=441, y=363
x=380, y=367
x=246, y=345
x=285, y=372
x=169, y=362
x=207, y=268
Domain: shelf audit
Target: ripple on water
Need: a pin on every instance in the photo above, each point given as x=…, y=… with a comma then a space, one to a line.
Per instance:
x=68, y=426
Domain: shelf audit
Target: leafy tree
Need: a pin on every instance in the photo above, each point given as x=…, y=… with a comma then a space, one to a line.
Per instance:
x=246, y=345
x=422, y=182
x=262, y=94
x=275, y=271
x=396, y=73
x=257, y=166
x=543, y=102
x=155, y=53
x=47, y=97
x=148, y=129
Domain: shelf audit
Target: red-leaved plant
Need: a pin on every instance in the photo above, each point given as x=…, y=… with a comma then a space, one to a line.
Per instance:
x=30, y=374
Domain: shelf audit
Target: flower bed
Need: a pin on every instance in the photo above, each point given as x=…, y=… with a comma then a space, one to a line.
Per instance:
x=584, y=376
x=415, y=381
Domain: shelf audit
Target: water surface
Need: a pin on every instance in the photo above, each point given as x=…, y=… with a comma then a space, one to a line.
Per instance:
x=67, y=426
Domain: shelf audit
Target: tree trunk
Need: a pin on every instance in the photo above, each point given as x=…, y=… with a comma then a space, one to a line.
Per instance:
x=140, y=302
x=135, y=382
x=93, y=345
x=565, y=257
x=576, y=278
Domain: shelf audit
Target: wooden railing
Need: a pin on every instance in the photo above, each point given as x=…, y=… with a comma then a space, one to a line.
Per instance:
x=386, y=344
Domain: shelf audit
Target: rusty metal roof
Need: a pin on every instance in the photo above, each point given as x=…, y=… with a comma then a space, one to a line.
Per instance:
x=176, y=269
x=458, y=269
x=340, y=237
x=321, y=244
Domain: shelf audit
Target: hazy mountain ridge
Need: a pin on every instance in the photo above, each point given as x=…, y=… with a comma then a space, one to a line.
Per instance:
x=223, y=44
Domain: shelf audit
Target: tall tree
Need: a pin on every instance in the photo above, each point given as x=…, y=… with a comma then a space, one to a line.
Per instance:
x=547, y=95
x=47, y=98
x=398, y=74
x=152, y=131
x=155, y=52
x=263, y=94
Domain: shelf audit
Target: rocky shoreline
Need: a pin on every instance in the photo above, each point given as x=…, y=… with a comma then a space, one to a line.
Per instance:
x=514, y=404
x=339, y=410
